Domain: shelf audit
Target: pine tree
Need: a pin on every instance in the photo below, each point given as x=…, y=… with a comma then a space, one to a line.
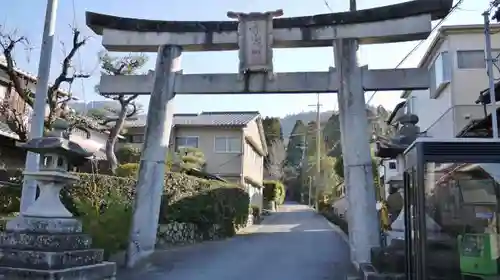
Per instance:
x=296, y=145
x=272, y=129
x=331, y=133
x=311, y=140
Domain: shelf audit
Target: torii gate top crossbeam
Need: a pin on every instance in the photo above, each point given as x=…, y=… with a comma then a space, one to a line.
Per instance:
x=437, y=8
x=392, y=23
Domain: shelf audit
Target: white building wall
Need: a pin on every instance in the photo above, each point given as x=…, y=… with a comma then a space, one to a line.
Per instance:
x=447, y=107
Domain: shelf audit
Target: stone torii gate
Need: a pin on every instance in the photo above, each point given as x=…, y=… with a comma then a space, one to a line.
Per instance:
x=255, y=35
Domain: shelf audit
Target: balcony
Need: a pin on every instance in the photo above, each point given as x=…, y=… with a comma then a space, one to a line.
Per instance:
x=455, y=119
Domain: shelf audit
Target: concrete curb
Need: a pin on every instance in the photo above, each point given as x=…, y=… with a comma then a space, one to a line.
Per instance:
x=336, y=228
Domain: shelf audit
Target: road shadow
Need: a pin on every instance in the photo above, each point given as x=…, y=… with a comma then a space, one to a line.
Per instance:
x=299, y=236
x=323, y=249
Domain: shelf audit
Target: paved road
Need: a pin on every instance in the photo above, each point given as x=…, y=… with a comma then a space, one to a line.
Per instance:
x=294, y=244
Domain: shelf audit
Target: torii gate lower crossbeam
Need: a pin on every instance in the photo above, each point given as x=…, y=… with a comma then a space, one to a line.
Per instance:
x=255, y=41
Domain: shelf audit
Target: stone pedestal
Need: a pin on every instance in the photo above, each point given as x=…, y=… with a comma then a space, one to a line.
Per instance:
x=46, y=242
x=41, y=248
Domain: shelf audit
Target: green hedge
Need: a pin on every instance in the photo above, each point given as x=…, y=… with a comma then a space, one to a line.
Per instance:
x=274, y=191
x=334, y=218
x=104, y=204
x=226, y=206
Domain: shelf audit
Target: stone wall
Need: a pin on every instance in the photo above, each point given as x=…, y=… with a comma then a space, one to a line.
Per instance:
x=185, y=233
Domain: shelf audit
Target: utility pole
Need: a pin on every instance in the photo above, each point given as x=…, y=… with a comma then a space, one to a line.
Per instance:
x=37, y=122
x=489, y=63
x=309, y=184
x=352, y=5
x=318, y=150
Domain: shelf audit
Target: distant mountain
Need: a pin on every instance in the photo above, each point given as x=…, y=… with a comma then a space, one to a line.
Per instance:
x=377, y=117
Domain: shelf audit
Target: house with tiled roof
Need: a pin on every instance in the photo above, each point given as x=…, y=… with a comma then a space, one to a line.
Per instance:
x=11, y=157
x=233, y=143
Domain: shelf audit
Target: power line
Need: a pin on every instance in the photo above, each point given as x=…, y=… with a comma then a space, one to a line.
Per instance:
x=75, y=23
x=327, y=5
x=455, y=7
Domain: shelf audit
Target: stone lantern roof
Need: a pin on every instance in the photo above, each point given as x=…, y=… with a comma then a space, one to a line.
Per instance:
x=57, y=142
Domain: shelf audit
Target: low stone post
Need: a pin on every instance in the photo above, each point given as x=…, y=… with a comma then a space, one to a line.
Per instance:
x=46, y=241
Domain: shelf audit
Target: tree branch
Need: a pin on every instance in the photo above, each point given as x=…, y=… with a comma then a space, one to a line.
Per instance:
x=64, y=77
x=8, y=44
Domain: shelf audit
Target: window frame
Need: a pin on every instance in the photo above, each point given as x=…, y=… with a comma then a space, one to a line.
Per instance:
x=178, y=147
x=442, y=59
x=392, y=165
x=4, y=89
x=226, y=140
x=133, y=136
x=459, y=52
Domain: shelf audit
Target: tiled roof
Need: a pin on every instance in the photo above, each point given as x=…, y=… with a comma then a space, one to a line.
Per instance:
x=235, y=118
x=27, y=75
x=7, y=132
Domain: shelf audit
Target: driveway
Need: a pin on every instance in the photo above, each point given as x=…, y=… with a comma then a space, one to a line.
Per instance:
x=293, y=244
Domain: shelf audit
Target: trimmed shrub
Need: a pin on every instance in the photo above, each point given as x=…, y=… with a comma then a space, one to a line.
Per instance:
x=128, y=154
x=274, y=191
x=256, y=213
x=10, y=195
x=226, y=206
x=127, y=170
x=104, y=204
x=334, y=218
x=108, y=223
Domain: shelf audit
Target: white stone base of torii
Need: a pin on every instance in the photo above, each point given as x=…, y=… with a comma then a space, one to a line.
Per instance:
x=255, y=35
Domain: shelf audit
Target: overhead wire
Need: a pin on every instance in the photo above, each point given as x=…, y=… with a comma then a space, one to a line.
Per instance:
x=79, y=56
x=454, y=8
x=328, y=5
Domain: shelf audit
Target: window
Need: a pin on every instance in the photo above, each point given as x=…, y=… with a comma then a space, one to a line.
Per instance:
x=186, y=141
x=471, y=59
x=138, y=138
x=28, y=114
x=227, y=144
x=392, y=165
x=410, y=107
x=3, y=91
x=441, y=73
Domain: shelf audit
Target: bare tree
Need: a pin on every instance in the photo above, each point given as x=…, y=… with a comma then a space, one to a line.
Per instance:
x=126, y=65
x=57, y=101
x=275, y=159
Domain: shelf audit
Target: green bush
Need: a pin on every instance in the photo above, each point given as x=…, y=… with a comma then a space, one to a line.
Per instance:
x=274, y=191
x=10, y=195
x=127, y=170
x=128, y=154
x=108, y=223
x=331, y=216
x=104, y=203
x=256, y=212
x=213, y=204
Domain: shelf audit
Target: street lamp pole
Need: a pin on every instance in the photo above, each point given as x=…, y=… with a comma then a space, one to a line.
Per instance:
x=36, y=129
x=318, y=150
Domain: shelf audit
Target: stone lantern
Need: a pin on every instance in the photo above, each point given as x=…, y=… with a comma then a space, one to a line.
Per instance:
x=46, y=241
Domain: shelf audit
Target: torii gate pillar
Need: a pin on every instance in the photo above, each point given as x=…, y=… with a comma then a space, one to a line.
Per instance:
x=362, y=218
x=151, y=178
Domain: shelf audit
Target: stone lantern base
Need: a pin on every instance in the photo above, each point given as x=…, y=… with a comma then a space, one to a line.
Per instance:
x=42, y=248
